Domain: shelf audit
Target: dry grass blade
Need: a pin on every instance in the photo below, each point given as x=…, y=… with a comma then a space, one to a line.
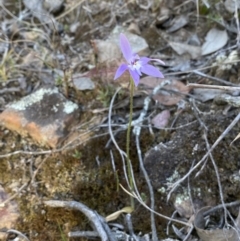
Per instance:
x=116, y=214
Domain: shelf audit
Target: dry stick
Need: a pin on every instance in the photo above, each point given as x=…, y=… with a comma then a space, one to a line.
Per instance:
x=175, y=185
x=213, y=78
x=137, y=127
x=169, y=222
x=90, y=214
x=204, y=68
x=217, y=175
x=137, y=132
x=34, y=173
x=220, y=87
x=178, y=233
x=64, y=148
x=196, y=112
x=150, y=188
x=124, y=126
x=128, y=222
x=5, y=46
x=237, y=21
x=220, y=206
x=2, y=204
x=223, y=205
x=85, y=234
x=18, y=233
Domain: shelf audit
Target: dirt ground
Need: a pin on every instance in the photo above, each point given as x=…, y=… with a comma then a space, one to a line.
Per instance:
x=199, y=43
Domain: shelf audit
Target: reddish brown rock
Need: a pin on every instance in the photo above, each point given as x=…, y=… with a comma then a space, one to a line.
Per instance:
x=45, y=115
x=9, y=213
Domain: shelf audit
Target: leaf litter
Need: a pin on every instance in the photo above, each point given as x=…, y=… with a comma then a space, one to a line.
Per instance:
x=39, y=55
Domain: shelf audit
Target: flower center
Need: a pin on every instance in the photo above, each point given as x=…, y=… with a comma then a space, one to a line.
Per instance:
x=135, y=64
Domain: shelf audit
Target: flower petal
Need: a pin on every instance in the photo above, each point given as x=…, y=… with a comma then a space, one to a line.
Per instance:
x=122, y=68
x=151, y=70
x=126, y=48
x=158, y=60
x=135, y=76
x=144, y=60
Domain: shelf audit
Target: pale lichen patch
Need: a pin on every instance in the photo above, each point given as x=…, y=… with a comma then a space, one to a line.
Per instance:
x=32, y=99
x=69, y=107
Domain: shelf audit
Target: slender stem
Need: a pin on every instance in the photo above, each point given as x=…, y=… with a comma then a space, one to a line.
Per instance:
x=130, y=176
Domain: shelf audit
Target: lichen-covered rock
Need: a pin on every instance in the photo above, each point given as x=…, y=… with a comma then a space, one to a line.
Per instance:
x=185, y=147
x=45, y=115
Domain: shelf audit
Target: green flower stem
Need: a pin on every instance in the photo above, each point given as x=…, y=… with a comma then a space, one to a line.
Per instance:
x=130, y=176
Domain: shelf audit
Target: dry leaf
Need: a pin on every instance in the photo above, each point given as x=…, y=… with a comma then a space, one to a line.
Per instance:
x=204, y=94
x=134, y=28
x=30, y=35
x=178, y=22
x=230, y=5
x=218, y=234
x=181, y=48
x=161, y=120
x=115, y=215
x=215, y=40
x=170, y=95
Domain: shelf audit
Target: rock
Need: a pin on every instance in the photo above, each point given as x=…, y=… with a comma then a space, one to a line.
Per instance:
x=45, y=115
x=53, y=6
x=9, y=213
x=83, y=83
x=138, y=44
x=41, y=10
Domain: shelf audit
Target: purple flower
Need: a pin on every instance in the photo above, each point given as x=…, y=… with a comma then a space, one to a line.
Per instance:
x=136, y=65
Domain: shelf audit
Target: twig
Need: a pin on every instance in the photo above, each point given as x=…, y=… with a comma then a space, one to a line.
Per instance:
x=66, y=147
x=18, y=233
x=204, y=68
x=85, y=234
x=137, y=131
x=196, y=112
x=220, y=206
x=128, y=221
x=34, y=173
x=124, y=126
x=2, y=204
x=150, y=188
x=237, y=21
x=213, y=78
x=136, y=123
x=6, y=48
x=90, y=214
x=219, y=87
x=217, y=175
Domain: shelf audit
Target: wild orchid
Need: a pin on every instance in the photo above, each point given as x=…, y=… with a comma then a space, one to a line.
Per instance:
x=136, y=65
